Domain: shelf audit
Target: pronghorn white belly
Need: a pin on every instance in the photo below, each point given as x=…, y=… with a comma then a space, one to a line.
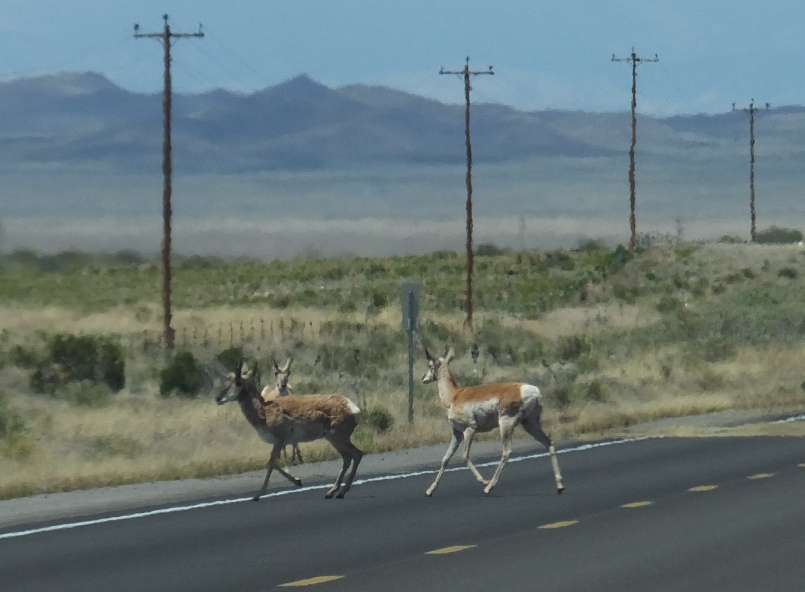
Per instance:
x=482, y=414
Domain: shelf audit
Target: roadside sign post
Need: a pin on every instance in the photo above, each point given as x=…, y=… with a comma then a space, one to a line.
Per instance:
x=410, y=311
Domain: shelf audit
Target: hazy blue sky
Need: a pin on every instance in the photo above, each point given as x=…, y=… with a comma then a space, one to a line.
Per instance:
x=546, y=54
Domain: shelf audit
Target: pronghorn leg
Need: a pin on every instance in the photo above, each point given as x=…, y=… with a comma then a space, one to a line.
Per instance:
x=350, y=455
x=272, y=464
x=469, y=434
x=458, y=436
x=535, y=429
x=296, y=457
x=356, y=455
x=506, y=429
x=344, y=466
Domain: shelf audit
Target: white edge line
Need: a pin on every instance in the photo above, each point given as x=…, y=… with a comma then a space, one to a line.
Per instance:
x=174, y=509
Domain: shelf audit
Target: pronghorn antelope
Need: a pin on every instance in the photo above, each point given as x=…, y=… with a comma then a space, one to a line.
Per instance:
x=282, y=389
x=293, y=419
x=482, y=409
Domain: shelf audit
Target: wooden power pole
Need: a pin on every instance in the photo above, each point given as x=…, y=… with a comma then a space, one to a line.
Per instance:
x=167, y=169
x=752, y=110
x=466, y=73
x=634, y=59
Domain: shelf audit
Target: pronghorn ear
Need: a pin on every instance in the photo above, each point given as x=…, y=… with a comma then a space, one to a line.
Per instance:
x=274, y=363
x=287, y=367
x=427, y=354
x=448, y=355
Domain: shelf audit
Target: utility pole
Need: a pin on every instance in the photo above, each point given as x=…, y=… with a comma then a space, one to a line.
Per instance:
x=466, y=73
x=634, y=59
x=752, y=110
x=167, y=169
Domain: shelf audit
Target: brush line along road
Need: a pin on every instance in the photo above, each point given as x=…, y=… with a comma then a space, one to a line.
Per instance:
x=657, y=514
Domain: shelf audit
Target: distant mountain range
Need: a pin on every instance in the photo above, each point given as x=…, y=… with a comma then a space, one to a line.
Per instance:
x=76, y=147
x=303, y=125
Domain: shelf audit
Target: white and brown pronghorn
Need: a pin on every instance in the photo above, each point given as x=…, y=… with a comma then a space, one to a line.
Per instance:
x=281, y=388
x=294, y=419
x=482, y=409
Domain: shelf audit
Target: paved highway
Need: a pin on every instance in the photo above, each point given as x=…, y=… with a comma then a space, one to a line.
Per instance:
x=657, y=514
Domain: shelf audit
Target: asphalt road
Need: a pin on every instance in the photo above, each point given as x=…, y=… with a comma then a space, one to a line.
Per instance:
x=702, y=514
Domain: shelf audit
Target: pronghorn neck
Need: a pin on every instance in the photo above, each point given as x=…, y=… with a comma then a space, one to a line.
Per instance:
x=251, y=403
x=447, y=386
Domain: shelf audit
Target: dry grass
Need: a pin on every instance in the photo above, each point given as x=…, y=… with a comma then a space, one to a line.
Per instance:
x=143, y=437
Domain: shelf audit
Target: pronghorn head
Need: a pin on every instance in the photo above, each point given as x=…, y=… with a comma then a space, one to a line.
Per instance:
x=281, y=375
x=436, y=366
x=240, y=384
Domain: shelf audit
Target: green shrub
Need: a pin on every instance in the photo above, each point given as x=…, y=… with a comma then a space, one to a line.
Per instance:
x=489, y=250
x=595, y=392
x=76, y=358
x=379, y=418
x=668, y=304
x=572, y=347
x=182, y=376
x=230, y=357
x=787, y=272
x=561, y=395
x=780, y=236
x=111, y=365
x=23, y=357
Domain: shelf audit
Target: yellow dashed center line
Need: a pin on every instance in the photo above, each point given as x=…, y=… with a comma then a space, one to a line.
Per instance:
x=637, y=504
x=802, y=465
x=562, y=524
x=761, y=476
x=310, y=581
x=453, y=549
x=703, y=488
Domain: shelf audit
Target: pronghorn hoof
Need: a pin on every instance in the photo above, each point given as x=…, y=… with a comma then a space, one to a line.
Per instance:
x=559, y=490
x=329, y=495
x=340, y=495
x=298, y=482
x=256, y=498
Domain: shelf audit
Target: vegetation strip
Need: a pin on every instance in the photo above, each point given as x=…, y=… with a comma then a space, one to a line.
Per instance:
x=561, y=524
x=637, y=504
x=453, y=549
x=699, y=488
x=310, y=581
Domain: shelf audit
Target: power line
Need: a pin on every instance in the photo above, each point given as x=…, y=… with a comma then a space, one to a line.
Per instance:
x=751, y=110
x=167, y=169
x=466, y=73
x=634, y=60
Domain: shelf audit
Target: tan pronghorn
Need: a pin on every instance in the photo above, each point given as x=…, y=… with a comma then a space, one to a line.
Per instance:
x=294, y=419
x=281, y=388
x=482, y=409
